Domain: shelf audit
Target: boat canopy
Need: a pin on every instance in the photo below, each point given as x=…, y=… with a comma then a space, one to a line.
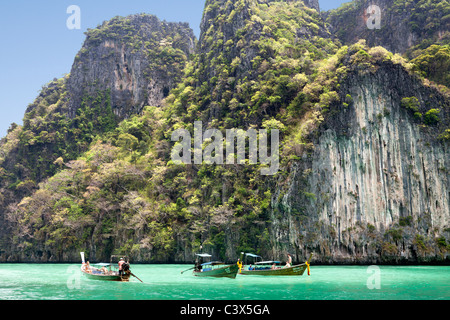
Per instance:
x=214, y=263
x=101, y=264
x=252, y=255
x=203, y=255
x=268, y=262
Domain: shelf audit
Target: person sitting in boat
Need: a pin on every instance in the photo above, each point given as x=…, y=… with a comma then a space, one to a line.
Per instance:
x=198, y=266
x=250, y=267
x=104, y=270
x=289, y=259
x=87, y=267
x=289, y=262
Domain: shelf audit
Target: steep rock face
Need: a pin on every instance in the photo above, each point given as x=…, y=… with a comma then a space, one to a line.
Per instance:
x=403, y=24
x=138, y=58
x=376, y=186
x=125, y=64
x=312, y=4
x=242, y=40
x=234, y=24
x=373, y=188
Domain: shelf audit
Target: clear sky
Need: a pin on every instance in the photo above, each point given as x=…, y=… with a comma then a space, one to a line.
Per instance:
x=36, y=45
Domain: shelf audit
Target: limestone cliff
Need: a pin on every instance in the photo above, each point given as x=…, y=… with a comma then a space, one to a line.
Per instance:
x=364, y=152
x=402, y=24
x=125, y=64
x=138, y=58
x=376, y=187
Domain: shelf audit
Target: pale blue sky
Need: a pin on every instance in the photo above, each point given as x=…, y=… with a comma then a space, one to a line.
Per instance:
x=36, y=45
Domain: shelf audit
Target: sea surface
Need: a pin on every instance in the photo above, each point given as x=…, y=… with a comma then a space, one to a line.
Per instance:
x=165, y=282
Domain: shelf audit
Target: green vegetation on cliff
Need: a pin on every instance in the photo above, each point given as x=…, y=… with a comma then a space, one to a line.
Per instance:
x=98, y=183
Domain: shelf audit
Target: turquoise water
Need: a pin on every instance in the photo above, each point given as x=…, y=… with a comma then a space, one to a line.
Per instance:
x=165, y=282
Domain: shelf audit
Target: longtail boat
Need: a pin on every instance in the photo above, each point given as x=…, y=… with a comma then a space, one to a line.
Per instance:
x=272, y=268
x=105, y=271
x=214, y=269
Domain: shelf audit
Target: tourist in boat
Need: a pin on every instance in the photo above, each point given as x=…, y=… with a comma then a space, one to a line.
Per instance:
x=198, y=266
x=87, y=267
x=104, y=270
x=289, y=262
x=121, y=262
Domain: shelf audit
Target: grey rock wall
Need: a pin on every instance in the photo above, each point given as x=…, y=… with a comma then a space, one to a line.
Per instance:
x=376, y=187
x=139, y=63
x=398, y=29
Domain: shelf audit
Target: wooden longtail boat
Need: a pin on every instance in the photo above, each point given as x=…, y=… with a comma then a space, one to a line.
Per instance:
x=104, y=271
x=272, y=268
x=214, y=269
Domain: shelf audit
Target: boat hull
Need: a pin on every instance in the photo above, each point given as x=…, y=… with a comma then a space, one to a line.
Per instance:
x=297, y=270
x=229, y=271
x=102, y=277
